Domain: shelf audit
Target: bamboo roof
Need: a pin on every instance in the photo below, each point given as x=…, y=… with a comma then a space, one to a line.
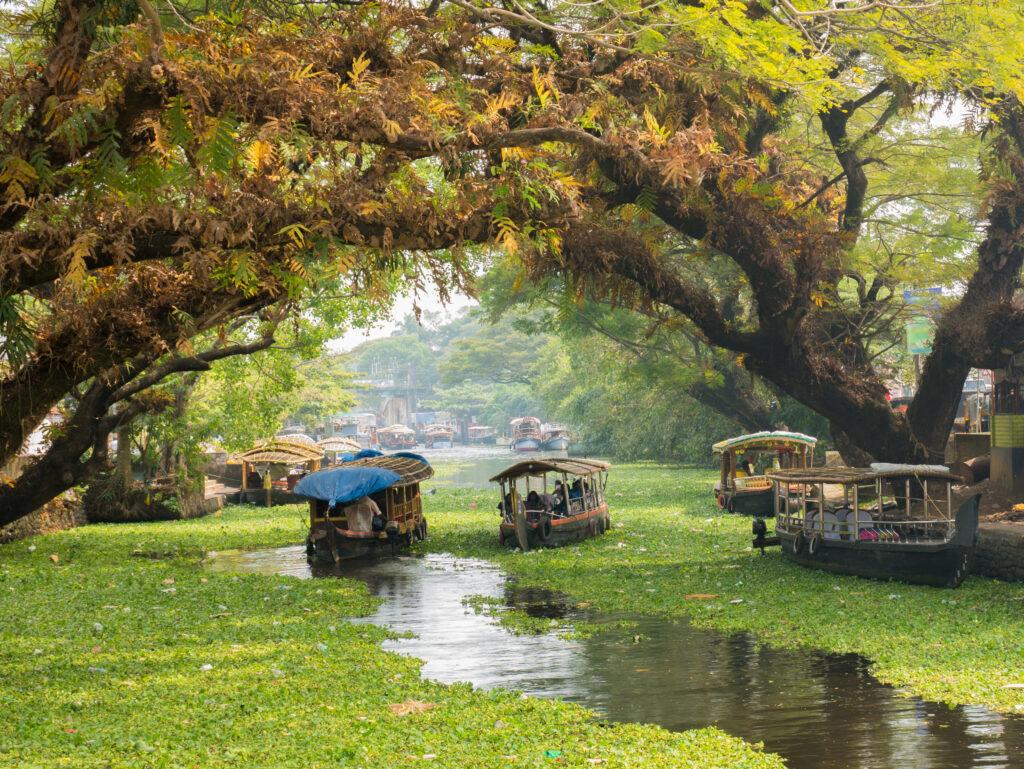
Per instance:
x=862, y=474
x=300, y=438
x=575, y=466
x=338, y=443
x=397, y=429
x=411, y=470
x=765, y=439
x=281, y=451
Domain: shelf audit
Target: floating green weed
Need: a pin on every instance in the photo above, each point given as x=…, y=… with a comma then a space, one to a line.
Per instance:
x=118, y=652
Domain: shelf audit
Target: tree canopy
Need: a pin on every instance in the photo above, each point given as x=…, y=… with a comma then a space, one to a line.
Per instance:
x=166, y=170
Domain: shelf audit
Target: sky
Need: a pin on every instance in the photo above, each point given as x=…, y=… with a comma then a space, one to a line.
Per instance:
x=428, y=302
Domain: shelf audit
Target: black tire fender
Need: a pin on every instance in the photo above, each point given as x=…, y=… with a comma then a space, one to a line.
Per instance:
x=813, y=544
x=799, y=542
x=544, y=528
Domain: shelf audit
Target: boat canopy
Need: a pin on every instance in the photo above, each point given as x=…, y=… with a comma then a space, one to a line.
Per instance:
x=338, y=443
x=842, y=475
x=282, y=451
x=541, y=466
x=361, y=477
x=397, y=429
x=767, y=439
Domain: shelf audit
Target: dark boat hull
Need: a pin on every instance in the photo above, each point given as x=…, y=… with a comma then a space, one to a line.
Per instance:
x=347, y=548
x=937, y=565
x=760, y=502
x=564, y=531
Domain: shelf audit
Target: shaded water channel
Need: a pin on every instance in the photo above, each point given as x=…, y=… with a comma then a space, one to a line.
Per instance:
x=818, y=711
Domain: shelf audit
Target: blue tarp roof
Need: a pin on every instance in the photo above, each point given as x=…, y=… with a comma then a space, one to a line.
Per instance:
x=411, y=455
x=341, y=485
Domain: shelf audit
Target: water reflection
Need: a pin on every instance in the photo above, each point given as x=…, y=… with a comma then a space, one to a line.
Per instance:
x=819, y=711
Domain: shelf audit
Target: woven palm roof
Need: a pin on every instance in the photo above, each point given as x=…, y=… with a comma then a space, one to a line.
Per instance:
x=765, y=439
x=861, y=474
x=575, y=466
x=281, y=451
x=338, y=443
x=396, y=429
x=412, y=470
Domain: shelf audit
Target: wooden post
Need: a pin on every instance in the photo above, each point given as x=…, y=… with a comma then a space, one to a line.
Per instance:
x=245, y=475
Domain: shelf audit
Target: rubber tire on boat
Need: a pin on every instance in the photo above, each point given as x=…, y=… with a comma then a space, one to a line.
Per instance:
x=813, y=545
x=421, y=529
x=544, y=528
x=599, y=526
x=799, y=542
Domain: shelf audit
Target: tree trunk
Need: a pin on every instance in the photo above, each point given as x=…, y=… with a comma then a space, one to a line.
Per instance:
x=124, y=455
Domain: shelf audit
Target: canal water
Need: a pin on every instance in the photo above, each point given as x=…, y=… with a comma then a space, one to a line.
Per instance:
x=818, y=711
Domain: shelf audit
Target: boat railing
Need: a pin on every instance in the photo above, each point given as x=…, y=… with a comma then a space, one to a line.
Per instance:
x=857, y=512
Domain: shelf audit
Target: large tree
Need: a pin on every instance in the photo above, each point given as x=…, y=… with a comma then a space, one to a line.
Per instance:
x=164, y=171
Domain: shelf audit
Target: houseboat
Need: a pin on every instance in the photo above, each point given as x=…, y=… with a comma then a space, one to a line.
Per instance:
x=525, y=434
x=552, y=502
x=397, y=437
x=890, y=522
x=341, y=522
x=439, y=437
x=742, y=485
x=482, y=435
x=554, y=438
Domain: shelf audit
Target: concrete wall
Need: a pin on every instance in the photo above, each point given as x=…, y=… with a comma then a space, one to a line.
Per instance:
x=1000, y=551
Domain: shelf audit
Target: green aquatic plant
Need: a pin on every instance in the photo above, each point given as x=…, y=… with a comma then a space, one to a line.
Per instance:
x=119, y=651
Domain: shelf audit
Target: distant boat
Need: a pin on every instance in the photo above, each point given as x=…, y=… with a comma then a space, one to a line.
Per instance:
x=397, y=437
x=482, y=435
x=526, y=434
x=555, y=438
x=439, y=437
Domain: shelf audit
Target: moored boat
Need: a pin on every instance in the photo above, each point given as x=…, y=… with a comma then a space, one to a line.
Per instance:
x=343, y=523
x=525, y=434
x=555, y=438
x=890, y=522
x=482, y=435
x=742, y=484
x=397, y=437
x=552, y=502
x=439, y=437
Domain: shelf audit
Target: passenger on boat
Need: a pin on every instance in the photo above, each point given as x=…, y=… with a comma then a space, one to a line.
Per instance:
x=559, y=500
x=505, y=506
x=745, y=465
x=360, y=514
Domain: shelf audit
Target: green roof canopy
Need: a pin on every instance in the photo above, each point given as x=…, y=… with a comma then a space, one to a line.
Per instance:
x=768, y=439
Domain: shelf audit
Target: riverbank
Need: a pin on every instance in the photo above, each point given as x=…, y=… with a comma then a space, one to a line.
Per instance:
x=118, y=651
x=672, y=553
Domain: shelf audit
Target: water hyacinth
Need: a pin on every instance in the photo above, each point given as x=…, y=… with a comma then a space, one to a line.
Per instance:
x=178, y=681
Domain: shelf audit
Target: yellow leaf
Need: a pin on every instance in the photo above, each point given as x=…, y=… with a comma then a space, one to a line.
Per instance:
x=359, y=66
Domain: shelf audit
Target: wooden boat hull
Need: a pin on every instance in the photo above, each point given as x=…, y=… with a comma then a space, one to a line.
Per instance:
x=759, y=502
x=525, y=444
x=564, y=531
x=937, y=565
x=348, y=548
x=560, y=443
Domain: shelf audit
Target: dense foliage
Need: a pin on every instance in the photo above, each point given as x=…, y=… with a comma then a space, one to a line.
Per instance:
x=736, y=167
